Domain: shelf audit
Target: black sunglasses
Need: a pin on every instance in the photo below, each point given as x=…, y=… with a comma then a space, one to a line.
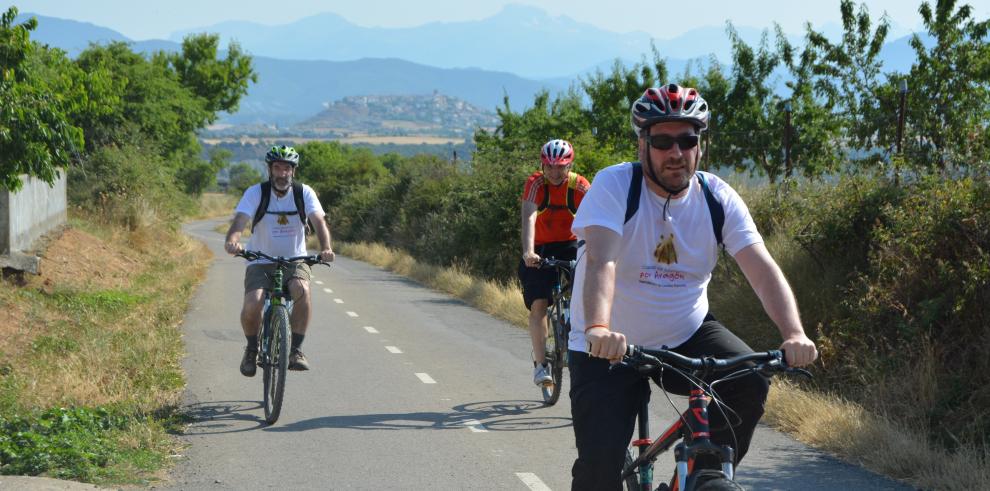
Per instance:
x=665, y=142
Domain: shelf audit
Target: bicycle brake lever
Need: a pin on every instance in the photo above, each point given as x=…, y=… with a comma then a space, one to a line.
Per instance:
x=800, y=371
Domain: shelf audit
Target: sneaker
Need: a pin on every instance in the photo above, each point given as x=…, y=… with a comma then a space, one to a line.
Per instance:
x=297, y=360
x=541, y=375
x=249, y=364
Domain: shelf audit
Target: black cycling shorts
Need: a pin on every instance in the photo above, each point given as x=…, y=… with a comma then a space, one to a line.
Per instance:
x=538, y=283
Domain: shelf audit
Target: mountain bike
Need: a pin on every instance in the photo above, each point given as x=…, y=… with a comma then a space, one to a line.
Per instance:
x=273, y=341
x=692, y=426
x=558, y=327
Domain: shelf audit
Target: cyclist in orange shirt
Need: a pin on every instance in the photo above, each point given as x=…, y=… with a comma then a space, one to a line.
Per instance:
x=550, y=199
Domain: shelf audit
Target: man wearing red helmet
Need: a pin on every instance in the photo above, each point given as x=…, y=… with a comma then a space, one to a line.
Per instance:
x=549, y=201
x=642, y=278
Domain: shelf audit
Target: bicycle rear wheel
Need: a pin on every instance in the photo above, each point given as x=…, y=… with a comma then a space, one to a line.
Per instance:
x=555, y=360
x=276, y=363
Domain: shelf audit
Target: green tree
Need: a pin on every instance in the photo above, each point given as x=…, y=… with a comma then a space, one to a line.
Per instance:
x=611, y=96
x=219, y=82
x=814, y=128
x=152, y=103
x=334, y=170
x=949, y=99
x=847, y=74
x=198, y=175
x=751, y=131
x=36, y=134
x=242, y=176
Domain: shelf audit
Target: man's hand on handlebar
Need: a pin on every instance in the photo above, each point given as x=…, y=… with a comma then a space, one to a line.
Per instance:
x=799, y=351
x=233, y=248
x=531, y=259
x=603, y=343
x=327, y=255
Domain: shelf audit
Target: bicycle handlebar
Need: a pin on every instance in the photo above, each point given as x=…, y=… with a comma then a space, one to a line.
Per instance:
x=308, y=259
x=548, y=263
x=646, y=360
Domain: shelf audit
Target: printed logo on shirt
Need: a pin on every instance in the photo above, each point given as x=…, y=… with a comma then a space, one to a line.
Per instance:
x=283, y=220
x=662, y=277
x=665, y=252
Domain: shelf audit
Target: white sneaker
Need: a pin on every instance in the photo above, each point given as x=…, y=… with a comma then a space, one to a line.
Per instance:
x=541, y=376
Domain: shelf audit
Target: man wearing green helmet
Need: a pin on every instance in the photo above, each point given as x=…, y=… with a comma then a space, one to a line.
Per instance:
x=280, y=210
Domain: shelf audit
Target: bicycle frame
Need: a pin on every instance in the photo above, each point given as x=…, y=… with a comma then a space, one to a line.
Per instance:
x=276, y=295
x=693, y=428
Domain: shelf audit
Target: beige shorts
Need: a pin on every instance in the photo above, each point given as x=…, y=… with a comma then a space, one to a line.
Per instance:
x=259, y=276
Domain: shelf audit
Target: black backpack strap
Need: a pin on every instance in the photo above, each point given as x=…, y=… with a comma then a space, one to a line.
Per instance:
x=266, y=196
x=297, y=195
x=714, y=207
x=571, y=186
x=546, y=197
x=635, y=187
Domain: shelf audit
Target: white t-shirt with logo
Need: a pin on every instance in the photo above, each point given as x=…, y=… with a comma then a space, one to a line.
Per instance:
x=278, y=235
x=664, y=265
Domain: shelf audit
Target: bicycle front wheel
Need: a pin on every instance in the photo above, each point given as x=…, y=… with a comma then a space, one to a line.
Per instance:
x=712, y=480
x=555, y=362
x=276, y=363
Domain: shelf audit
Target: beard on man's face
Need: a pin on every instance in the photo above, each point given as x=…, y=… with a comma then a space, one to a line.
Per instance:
x=282, y=183
x=674, y=172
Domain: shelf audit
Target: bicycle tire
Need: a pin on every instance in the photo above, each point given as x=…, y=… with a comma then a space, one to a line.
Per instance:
x=712, y=480
x=277, y=363
x=551, y=391
x=632, y=481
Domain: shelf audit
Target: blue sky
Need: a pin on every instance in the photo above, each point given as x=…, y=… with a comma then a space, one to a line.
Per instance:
x=140, y=19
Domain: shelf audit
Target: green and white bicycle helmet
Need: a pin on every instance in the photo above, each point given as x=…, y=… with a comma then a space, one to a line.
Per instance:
x=282, y=154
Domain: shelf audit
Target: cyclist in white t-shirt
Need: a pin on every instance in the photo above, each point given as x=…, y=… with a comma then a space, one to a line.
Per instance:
x=643, y=279
x=280, y=232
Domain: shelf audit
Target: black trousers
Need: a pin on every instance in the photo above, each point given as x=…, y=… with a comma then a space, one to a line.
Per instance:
x=604, y=405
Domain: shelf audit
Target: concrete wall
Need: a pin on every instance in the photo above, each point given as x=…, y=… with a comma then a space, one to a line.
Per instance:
x=31, y=212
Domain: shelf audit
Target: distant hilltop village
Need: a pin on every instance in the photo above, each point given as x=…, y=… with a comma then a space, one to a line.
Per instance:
x=434, y=114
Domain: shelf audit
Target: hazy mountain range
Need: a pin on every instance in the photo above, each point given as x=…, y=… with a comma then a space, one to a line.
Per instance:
x=517, y=52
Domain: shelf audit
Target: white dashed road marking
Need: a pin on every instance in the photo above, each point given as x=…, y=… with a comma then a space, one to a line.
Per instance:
x=338, y=300
x=475, y=426
x=352, y=314
x=393, y=349
x=532, y=482
x=370, y=329
x=318, y=282
x=426, y=379
x=328, y=290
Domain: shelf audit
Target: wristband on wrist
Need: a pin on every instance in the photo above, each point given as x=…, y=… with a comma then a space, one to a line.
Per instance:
x=596, y=325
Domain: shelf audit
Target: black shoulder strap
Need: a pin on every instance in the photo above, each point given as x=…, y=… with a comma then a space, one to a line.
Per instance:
x=546, y=197
x=266, y=196
x=635, y=187
x=297, y=195
x=714, y=207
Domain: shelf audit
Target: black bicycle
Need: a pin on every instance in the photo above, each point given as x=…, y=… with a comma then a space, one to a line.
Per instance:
x=273, y=343
x=558, y=327
x=692, y=425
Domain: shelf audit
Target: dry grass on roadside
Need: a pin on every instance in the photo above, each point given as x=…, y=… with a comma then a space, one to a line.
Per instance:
x=215, y=205
x=845, y=429
x=823, y=421
x=104, y=320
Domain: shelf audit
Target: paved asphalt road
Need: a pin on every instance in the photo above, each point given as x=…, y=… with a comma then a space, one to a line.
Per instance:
x=409, y=389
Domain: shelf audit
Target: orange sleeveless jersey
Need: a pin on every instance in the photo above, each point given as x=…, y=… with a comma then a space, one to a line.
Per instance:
x=553, y=224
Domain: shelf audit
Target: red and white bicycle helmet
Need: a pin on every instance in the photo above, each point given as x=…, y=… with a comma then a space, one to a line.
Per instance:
x=557, y=152
x=669, y=103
